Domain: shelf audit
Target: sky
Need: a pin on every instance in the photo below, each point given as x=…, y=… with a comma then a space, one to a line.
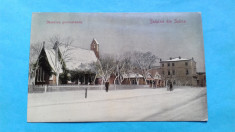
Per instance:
x=123, y=32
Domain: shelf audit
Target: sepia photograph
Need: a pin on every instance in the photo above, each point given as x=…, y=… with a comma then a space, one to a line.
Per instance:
x=100, y=67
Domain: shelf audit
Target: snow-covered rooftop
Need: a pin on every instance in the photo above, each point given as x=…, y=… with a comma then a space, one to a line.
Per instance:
x=78, y=58
x=132, y=75
x=95, y=41
x=177, y=59
x=51, y=59
x=157, y=76
x=74, y=57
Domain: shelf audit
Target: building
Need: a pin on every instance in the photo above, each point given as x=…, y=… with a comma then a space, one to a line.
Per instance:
x=95, y=48
x=75, y=62
x=179, y=71
x=154, y=78
x=201, y=79
x=133, y=79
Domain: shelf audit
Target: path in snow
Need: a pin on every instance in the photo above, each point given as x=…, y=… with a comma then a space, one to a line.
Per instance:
x=186, y=104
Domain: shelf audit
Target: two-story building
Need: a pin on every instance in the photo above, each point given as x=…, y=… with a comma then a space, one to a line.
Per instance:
x=179, y=70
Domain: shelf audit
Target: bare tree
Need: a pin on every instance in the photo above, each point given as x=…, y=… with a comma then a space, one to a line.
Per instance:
x=144, y=62
x=123, y=64
x=106, y=66
x=35, y=50
x=64, y=44
x=96, y=68
x=62, y=48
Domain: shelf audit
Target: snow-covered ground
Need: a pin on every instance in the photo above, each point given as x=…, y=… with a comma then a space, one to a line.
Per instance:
x=184, y=104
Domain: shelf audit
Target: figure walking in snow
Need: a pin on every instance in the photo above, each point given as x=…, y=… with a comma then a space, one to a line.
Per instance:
x=107, y=86
x=171, y=86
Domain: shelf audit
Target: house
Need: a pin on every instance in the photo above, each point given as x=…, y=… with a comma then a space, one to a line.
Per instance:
x=67, y=62
x=154, y=79
x=180, y=71
x=133, y=78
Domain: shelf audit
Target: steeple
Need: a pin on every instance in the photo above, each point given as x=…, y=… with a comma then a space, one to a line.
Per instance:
x=43, y=44
x=95, y=47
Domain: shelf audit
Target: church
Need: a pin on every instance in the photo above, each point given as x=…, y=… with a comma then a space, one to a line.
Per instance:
x=71, y=63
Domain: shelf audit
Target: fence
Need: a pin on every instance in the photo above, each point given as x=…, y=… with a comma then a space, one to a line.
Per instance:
x=54, y=88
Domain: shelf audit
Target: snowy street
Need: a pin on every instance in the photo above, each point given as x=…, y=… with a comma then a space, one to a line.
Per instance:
x=184, y=103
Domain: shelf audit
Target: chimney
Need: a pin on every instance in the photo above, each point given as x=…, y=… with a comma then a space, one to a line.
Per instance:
x=179, y=57
x=170, y=58
x=192, y=58
x=160, y=59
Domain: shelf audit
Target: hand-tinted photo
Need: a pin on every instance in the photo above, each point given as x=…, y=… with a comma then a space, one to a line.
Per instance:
x=89, y=67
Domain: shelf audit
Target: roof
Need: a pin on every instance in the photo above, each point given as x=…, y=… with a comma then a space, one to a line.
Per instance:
x=176, y=59
x=153, y=74
x=132, y=75
x=157, y=76
x=51, y=59
x=95, y=41
x=77, y=58
x=201, y=73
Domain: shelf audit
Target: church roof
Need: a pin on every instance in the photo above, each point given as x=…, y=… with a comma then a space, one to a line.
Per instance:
x=51, y=59
x=78, y=58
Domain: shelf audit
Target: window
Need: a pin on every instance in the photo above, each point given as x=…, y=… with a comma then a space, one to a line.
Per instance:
x=163, y=73
x=186, y=63
x=173, y=64
x=40, y=74
x=168, y=64
x=187, y=72
x=173, y=72
x=37, y=75
x=169, y=73
x=162, y=65
x=134, y=82
x=43, y=73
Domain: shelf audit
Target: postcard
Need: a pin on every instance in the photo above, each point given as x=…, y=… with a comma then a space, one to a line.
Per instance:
x=96, y=67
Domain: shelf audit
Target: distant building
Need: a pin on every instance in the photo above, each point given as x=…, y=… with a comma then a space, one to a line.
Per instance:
x=201, y=79
x=179, y=71
x=154, y=78
x=133, y=79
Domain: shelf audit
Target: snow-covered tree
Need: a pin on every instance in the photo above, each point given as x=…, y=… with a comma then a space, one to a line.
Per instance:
x=121, y=68
x=64, y=44
x=96, y=68
x=144, y=62
x=62, y=54
x=35, y=49
x=105, y=65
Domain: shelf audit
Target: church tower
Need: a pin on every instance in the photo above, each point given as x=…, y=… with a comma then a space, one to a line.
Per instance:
x=95, y=48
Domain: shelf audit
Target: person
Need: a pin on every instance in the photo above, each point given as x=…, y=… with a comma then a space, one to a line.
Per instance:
x=107, y=86
x=168, y=86
x=171, y=86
